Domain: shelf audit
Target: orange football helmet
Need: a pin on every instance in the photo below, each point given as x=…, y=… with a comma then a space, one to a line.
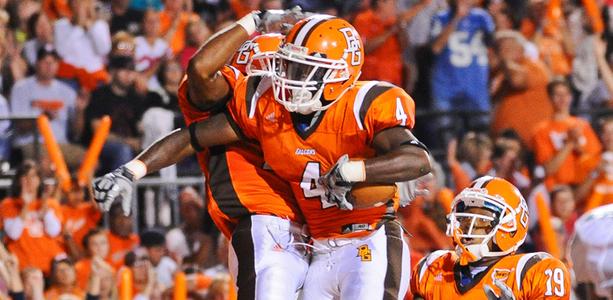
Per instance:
x=507, y=224
x=254, y=57
x=321, y=59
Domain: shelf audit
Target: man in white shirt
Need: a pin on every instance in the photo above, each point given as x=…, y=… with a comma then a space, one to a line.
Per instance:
x=42, y=93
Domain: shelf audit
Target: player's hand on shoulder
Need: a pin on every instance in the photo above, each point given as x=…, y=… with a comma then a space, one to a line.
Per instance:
x=114, y=185
x=336, y=186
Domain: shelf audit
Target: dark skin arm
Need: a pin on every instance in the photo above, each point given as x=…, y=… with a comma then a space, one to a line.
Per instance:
x=396, y=161
x=214, y=131
x=206, y=84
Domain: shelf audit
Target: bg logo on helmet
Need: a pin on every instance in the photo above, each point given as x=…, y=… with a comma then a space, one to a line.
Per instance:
x=353, y=45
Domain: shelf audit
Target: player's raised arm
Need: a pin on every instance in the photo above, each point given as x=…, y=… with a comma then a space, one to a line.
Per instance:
x=166, y=151
x=206, y=84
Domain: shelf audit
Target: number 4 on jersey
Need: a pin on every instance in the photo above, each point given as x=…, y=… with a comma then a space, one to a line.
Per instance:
x=310, y=186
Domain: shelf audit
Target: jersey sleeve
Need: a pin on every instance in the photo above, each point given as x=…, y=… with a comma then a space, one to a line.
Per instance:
x=241, y=112
x=547, y=279
x=392, y=108
x=190, y=111
x=416, y=286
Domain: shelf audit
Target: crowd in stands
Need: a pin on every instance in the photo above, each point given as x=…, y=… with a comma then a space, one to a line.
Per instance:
x=515, y=89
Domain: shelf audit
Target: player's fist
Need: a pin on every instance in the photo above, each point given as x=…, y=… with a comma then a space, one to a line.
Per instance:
x=336, y=186
x=114, y=185
x=276, y=20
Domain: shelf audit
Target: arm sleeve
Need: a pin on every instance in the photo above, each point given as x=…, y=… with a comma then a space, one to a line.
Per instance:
x=436, y=27
x=548, y=279
x=13, y=227
x=64, y=36
x=416, y=287
x=543, y=151
x=101, y=37
x=53, y=226
x=390, y=109
x=18, y=100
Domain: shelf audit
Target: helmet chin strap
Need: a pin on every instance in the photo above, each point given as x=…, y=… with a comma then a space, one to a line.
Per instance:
x=466, y=256
x=300, y=97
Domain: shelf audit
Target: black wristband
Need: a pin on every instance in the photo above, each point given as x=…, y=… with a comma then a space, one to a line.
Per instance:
x=192, y=137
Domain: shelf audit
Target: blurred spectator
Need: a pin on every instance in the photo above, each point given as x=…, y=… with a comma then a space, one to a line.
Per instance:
x=173, y=21
x=379, y=28
x=555, y=46
x=83, y=43
x=25, y=10
x=150, y=49
x=563, y=213
x=79, y=217
x=96, y=246
x=57, y=9
x=425, y=217
x=188, y=243
x=63, y=281
x=508, y=160
x=125, y=106
x=101, y=281
x=197, y=32
x=565, y=145
x=471, y=160
x=602, y=95
x=31, y=224
x=585, y=64
x=242, y=7
x=125, y=18
x=221, y=268
x=12, y=66
x=145, y=283
x=460, y=37
x=597, y=189
x=155, y=244
x=33, y=283
x=146, y=4
x=121, y=238
x=169, y=76
x=270, y=4
x=42, y=93
x=10, y=274
x=40, y=34
x=122, y=44
x=519, y=87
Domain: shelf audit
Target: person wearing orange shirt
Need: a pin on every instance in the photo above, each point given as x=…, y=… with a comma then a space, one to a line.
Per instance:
x=96, y=245
x=63, y=281
x=79, y=217
x=565, y=145
x=121, y=238
x=173, y=21
x=31, y=224
x=379, y=27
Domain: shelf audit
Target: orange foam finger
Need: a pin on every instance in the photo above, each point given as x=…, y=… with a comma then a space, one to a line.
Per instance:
x=548, y=234
x=593, y=12
x=55, y=154
x=125, y=284
x=180, y=290
x=93, y=152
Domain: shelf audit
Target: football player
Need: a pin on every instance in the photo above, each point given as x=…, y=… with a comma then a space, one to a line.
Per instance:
x=488, y=222
x=309, y=117
x=591, y=253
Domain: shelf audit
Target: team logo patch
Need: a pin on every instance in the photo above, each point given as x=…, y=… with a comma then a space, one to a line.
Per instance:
x=500, y=274
x=364, y=253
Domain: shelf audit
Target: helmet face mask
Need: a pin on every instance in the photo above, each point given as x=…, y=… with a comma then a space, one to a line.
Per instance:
x=320, y=60
x=488, y=222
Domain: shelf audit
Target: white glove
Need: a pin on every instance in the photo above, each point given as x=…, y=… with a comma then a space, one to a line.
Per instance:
x=505, y=292
x=337, y=188
x=114, y=185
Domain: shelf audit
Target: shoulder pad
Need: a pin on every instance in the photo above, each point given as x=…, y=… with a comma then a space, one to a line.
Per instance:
x=428, y=260
x=526, y=262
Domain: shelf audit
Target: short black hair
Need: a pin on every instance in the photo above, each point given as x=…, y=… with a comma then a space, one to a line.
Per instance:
x=152, y=238
x=551, y=86
x=89, y=234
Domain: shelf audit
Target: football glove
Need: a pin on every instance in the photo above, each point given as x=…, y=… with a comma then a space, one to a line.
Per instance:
x=277, y=20
x=505, y=292
x=115, y=185
x=336, y=187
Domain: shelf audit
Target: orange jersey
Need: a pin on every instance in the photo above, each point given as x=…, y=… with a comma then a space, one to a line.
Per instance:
x=79, y=220
x=34, y=248
x=549, y=138
x=529, y=276
x=300, y=157
x=119, y=247
x=236, y=180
